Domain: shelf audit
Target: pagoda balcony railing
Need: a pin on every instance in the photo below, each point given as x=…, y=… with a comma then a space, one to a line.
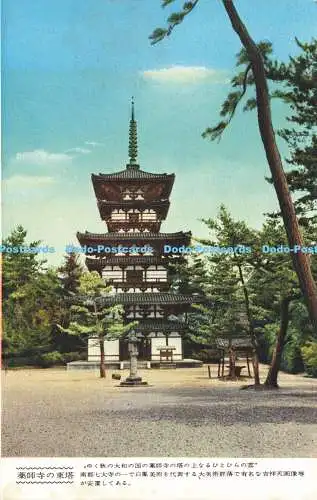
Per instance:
x=161, y=287
x=153, y=281
x=131, y=221
x=138, y=226
x=96, y=263
x=106, y=208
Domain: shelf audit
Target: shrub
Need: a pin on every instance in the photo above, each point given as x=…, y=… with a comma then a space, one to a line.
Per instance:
x=309, y=353
x=73, y=356
x=292, y=360
x=268, y=340
x=50, y=358
x=207, y=355
x=19, y=361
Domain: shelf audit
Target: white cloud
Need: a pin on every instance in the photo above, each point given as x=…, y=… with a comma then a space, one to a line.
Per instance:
x=27, y=181
x=83, y=151
x=186, y=74
x=93, y=143
x=41, y=157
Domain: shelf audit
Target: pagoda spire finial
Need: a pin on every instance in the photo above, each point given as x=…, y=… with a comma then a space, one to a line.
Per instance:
x=132, y=108
x=133, y=140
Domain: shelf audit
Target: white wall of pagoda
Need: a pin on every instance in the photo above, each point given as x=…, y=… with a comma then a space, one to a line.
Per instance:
x=111, y=349
x=146, y=215
x=136, y=312
x=129, y=194
x=158, y=340
x=118, y=275
x=173, y=341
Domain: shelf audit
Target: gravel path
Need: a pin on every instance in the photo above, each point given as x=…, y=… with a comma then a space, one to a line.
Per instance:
x=182, y=413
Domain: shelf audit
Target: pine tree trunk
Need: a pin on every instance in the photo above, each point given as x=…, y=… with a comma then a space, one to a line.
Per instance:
x=102, y=358
x=255, y=365
x=271, y=379
x=255, y=359
x=300, y=260
x=232, y=362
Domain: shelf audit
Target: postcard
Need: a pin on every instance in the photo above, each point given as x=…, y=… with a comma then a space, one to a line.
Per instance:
x=159, y=249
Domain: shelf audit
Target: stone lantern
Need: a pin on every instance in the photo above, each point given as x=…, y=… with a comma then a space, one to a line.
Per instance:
x=133, y=378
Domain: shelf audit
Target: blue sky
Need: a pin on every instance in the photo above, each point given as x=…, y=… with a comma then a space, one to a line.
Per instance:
x=69, y=70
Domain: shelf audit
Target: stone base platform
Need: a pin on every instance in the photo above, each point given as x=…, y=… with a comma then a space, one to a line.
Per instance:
x=132, y=382
x=125, y=365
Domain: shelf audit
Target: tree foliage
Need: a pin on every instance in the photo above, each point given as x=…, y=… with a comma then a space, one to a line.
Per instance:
x=297, y=86
x=70, y=273
x=254, y=57
x=90, y=319
x=32, y=299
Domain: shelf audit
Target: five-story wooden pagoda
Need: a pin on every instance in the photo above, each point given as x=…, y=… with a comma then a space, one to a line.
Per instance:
x=133, y=203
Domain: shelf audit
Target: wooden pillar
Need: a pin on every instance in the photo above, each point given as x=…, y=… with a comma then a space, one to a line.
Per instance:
x=248, y=364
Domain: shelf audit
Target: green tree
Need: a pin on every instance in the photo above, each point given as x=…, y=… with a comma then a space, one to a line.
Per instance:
x=19, y=266
x=30, y=313
x=230, y=272
x=91, y=319
x=298, y=87
x=246, y=289
x=274, y=286
x=255, y=65
x=31, y=298
x=188, y=275
x=223, y=312
x=70, y=272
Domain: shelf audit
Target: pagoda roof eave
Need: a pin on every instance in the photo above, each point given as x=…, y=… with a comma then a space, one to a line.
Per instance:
x=132, y=175
x=133, y=203
x=159, y=325
x=131, y=240
x=147, y=298
x=132, y=236
x=98, y=263
x=145, y=238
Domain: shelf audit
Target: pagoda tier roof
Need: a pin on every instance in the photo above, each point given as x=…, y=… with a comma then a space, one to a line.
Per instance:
x=106, y=207
x=132, y=173
x=149, y=299
x=144, y=238
x=109, y=186
x=158, y=325
x=148, y=260
x=132, y=236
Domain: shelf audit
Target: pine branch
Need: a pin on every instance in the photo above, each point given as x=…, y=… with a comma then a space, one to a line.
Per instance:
x=174, y=20
x=229, y=107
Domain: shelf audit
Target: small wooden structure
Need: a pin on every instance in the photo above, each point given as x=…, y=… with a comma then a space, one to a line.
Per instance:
x=166, y=356
x=241, y=347
x=166, y=353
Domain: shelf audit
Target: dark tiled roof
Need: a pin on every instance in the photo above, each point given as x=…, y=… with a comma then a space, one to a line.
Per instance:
x=132, y=174
x=133, y=236
x=148, y=298
x=158, y=325
x=126, y=260
x=133, y=203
